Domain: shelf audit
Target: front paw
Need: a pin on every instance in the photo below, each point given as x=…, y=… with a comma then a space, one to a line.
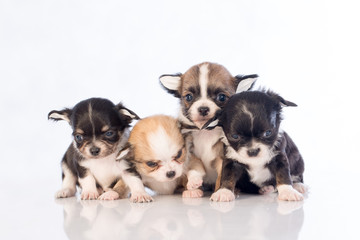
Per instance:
x=65, y=193
x=89, y=195
x=194, y=182
x=223, y=195
x=195, y=193
x=140, y=197
x=109, y=195
x=301, y=187
x=288, y=193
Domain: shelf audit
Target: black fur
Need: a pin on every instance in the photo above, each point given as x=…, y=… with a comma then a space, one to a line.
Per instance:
x=264, y=107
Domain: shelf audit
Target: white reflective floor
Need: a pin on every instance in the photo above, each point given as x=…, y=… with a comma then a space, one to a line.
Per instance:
x=37, y=215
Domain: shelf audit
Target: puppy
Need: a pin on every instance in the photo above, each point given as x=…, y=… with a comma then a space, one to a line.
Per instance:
x=100, y=131
x=157, y=154
x=203, y=90
x=259, y=157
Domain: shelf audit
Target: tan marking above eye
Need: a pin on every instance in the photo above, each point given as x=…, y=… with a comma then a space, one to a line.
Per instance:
x=105, y=128
x=79, y=131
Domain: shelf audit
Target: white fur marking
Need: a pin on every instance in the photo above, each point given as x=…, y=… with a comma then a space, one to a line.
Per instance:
x=203, y=80
x=288, y=193
x=223, y=195
x=251, y=116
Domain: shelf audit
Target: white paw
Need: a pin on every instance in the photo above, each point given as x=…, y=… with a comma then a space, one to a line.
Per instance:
x=109, y=195
x=140, y=197
x=194, y=182
x=223, y=195
x=300, y=187
x=195, y=193
x=267, y=189
x=65, y=192
x=288, y=193
x=89, y=195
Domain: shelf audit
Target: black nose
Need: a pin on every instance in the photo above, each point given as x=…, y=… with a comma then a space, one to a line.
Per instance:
x=170, y=174
x=203, y=111
x=253, y=152
x=94, y=151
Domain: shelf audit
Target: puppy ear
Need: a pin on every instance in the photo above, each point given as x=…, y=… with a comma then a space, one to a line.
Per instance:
x=125, y=153
x=60, y=115
x=282, y=101
x=171, y=83
x=245, y=82
x=126, y=114
x=213, y=123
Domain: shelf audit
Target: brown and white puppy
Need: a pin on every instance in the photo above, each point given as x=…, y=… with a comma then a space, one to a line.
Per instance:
x=157, y=154
x=100, y=131
x=203, y=90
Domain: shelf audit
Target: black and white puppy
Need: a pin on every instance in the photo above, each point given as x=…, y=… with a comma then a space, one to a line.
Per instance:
x=259, y=156
x=100, y=131
x=203, y=90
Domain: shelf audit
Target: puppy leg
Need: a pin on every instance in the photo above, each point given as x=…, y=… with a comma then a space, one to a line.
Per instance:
x=195, y=173
x=88, y=186
x=68, y=188
x=301, y=187
x=283, y=180
x=137, y=189
x=228, y=181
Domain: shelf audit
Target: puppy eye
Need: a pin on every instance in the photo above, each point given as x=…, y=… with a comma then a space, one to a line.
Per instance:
x=151, y=164
x=109, y=133
x=267, y=133
x=221, y=97
x=235, y=136
x=79, y=138
x=178, y=154
x=189, y=97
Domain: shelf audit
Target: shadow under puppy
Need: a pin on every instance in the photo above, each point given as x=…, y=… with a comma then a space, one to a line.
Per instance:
x=259, y=156
x=100, y=131
x=157, y=155
x=203, y=90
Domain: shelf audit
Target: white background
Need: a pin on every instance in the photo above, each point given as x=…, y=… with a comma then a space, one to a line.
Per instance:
x=55, y=53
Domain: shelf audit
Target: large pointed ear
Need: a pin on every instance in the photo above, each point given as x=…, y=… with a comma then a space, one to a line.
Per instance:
x=126, y=114
x=213, y=122
x=125, y=153
x=171, y=83
x=60, y=115
x=282, y=101
x=245, y=82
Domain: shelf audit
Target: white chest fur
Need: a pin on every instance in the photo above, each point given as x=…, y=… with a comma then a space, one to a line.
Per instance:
x=204, y=141
x=257, y=170
x=105, y=170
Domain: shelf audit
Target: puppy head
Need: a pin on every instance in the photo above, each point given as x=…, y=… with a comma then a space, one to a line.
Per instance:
x=98, y=125
x=159, y=148
x=203, y=90
x=251, y=122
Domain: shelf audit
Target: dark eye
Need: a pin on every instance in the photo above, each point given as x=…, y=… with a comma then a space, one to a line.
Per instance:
x=79, y=138
x=178, y=154
x=267, y=133
x=189, y=97
x=151, y=164
x=221, y=97
x=235, y=136
x=109, y=134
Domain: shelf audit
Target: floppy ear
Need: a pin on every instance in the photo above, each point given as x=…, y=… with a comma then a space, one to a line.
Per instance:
x=171, y=83
x=282, y=101
x=126, y=114
x=60, y=115
x=213, y=122
x=245, y=82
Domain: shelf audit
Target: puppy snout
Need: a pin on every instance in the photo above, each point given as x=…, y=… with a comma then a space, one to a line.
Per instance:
x=204, y=111
x=94, y=151
x=171, y=174
x=253, y=152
